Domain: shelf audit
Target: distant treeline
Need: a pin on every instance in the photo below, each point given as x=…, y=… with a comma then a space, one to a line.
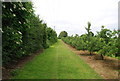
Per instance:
x=23, y=31
x=105, y=42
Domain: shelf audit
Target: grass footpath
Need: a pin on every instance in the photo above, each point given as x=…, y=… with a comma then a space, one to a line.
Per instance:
x=56, y=62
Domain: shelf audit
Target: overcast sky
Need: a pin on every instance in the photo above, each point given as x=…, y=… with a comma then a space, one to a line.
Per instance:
x=72, y=15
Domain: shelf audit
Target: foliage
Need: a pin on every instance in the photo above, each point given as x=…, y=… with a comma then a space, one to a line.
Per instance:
x=51, y=36
x=105, y=34
x=63, y=34
x=23, y=31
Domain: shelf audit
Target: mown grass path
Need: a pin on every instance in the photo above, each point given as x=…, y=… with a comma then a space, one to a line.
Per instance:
x=57, y=62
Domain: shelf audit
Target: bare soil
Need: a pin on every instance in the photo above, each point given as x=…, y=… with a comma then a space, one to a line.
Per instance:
x=6, y=72
x=107, y=68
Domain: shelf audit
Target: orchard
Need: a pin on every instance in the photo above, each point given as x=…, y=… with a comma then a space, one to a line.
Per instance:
x=105, y=42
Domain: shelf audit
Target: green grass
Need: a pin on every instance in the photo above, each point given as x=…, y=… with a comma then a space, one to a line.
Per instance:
x=57, y=62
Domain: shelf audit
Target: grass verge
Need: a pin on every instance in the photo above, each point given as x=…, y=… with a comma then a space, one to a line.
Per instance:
x=57, y=62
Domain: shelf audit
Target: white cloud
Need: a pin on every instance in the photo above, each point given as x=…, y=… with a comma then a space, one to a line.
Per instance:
x=73, y=15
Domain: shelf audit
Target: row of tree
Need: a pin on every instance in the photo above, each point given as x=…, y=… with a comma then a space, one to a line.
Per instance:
x=23, y=32
x=105, y=42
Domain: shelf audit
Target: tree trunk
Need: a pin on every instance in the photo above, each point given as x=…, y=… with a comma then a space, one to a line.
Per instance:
x=102, y=57
x=90, y=53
